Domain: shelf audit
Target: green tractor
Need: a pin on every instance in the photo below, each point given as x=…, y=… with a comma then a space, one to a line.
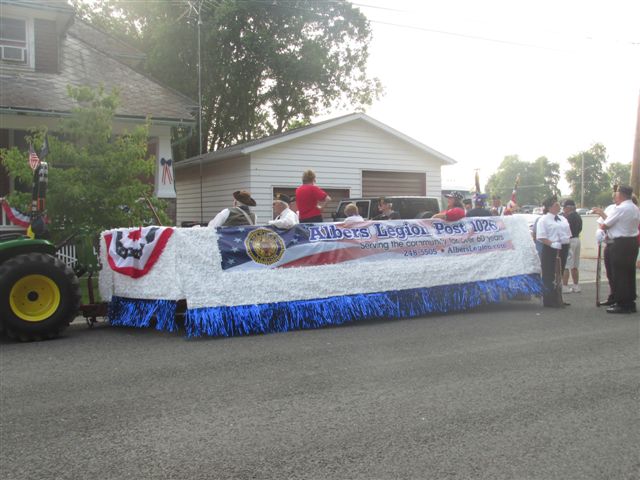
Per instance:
x=39, y=294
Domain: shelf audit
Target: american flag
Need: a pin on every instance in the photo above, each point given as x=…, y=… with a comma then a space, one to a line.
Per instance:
x=34, y=161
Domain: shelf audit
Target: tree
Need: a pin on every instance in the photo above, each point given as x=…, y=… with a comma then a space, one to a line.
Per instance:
x=538, y=180
x=596, y=179
x=265, y=65
x=616, y=174
x=96, y=179
x=619, y=173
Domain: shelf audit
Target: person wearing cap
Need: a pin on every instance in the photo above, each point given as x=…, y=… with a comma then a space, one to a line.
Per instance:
x=479, y=210
x=573, y=254
x=622, y=227
x=285, y=218
x=550, y=232
x=239, y=214
x=455, y=209
x=497, y=208
x=352, y=213
x=467, y=204
x=385, y=207
x=310, y=199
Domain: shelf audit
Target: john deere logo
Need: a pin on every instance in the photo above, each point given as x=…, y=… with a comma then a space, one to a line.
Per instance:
x=264, y=246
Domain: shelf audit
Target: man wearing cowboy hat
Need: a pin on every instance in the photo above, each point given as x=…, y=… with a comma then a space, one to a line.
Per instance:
x=285, y=217
x=239, y=214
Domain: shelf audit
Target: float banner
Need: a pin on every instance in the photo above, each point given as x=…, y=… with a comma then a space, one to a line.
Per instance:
x=266, y=247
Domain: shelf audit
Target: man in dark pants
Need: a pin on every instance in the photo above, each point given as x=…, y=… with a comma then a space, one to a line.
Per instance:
x=622, y=227
x=605, y=242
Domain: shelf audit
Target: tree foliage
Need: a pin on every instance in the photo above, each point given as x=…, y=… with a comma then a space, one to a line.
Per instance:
x=96, y=179
x=619, y=173
x=265, y=65
x=596, y=180
x=538, y=180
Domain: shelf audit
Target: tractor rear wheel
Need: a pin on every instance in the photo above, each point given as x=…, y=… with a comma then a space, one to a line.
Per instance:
x=39, y=296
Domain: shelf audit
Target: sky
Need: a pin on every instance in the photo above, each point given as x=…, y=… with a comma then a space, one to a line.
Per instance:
x=479, y=81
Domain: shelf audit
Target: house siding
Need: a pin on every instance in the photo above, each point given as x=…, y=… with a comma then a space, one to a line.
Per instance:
x=45, y=46
x=338, y=156
x=220, y=180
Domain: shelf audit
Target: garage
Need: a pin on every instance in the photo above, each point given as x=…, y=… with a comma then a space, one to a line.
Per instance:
x=377, y=184
x=353, y=156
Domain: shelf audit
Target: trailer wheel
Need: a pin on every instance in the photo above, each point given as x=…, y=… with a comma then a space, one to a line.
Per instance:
x=39, y=296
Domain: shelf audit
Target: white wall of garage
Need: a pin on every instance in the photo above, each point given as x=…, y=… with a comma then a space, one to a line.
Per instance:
x=339, y=154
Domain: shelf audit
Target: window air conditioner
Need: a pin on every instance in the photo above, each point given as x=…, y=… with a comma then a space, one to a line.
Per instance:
x=14, y=54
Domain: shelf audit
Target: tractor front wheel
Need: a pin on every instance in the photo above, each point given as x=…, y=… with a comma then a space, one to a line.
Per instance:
x=39, y=296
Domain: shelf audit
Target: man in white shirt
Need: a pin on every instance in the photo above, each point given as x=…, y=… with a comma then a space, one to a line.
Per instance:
x=622, y=227
x=352, y=214
x=603, y=240
x=285, y=217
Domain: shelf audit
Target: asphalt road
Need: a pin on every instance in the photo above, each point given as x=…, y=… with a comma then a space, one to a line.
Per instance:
x=511, y=391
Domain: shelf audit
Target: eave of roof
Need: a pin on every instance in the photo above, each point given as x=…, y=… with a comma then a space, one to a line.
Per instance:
x=247, y=148
x=58, y=6
x=126, y=118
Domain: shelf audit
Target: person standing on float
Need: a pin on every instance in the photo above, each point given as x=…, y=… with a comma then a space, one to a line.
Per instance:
x=455, y=209
x=310, y=199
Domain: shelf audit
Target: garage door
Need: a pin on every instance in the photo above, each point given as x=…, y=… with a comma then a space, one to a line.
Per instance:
x=336, y=195
x=378, y=184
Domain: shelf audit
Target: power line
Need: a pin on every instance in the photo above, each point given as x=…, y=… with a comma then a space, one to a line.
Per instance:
x=463, y=35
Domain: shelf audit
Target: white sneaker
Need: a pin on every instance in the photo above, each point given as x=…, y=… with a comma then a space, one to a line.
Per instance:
x=576, y=288
x=566, y=289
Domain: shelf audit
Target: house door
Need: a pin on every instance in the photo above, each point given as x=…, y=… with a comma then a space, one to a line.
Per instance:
x=378, y=184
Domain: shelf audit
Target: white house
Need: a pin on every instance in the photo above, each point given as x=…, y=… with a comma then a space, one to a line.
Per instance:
x=353, y=156
x=44, y=49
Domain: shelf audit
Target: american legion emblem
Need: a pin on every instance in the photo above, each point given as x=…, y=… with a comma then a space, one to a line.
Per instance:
x=264, y=246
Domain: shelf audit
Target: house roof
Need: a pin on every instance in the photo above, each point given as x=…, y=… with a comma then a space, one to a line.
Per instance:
x=85, y=64
x=52, y=5
x=272, y=140
x=106, y=43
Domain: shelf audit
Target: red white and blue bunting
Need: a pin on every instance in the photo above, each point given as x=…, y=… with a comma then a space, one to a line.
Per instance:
x=14, y=215
x=134, y=251
x=247, y=280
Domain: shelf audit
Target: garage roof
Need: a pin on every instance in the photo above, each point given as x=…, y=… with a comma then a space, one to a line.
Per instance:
x=270, y=141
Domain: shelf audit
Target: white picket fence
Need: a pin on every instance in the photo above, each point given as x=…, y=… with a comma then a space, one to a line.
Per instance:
x=67, y=254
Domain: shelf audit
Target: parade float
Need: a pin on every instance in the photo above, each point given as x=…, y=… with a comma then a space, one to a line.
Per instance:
x=260, y=279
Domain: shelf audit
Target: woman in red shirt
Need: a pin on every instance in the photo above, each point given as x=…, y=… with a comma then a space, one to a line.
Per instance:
x=455, y=209
x=310, y=199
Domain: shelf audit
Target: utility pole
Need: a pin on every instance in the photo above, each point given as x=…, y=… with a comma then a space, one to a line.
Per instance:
x=582, y=183
x=200, y=110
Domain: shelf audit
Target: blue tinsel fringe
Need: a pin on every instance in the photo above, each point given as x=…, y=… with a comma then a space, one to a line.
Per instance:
x=284, y=316
x=128, y=312
x=303, y=314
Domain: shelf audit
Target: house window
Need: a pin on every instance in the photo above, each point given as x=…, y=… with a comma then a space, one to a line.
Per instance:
x=13, y=41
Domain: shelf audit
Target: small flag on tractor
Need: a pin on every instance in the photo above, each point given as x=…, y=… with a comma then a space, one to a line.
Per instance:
x=34, y=161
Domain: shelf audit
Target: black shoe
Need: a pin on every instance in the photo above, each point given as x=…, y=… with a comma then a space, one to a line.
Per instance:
x=608, y=303
x=621, y=309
